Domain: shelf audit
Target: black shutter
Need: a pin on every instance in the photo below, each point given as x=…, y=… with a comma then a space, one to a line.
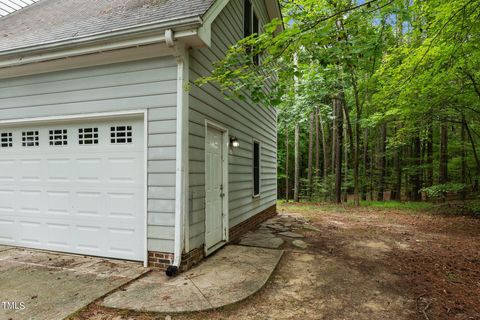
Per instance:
x=256, y=58
x=256, y=168
x=247, y=18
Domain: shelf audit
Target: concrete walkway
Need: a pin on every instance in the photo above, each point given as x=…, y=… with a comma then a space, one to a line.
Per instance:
x=229, y=276
x=45, y=285
x=5, y=248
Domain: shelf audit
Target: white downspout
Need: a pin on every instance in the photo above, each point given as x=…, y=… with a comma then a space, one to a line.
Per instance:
x=181, y=176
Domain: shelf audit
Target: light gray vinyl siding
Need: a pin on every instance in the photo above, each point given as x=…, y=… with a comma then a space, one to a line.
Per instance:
x=244, y=120
x=117, y=87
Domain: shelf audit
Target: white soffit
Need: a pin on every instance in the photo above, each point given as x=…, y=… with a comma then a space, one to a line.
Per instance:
x=10, y=6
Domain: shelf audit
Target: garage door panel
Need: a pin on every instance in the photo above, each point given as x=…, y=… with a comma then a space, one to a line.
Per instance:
x=80, y=194
x=88, y=204
x=89, y=170
x=6, y=171
x=122, y=205
x=58, y=203
x=7, y=228
x=118, y=176
x=59, y=169
x=7, y=200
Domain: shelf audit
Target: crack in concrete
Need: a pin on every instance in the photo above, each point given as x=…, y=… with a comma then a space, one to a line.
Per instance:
x=203, y=295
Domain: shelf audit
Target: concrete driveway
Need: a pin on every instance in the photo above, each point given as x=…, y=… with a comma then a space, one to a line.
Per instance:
x=44, y=285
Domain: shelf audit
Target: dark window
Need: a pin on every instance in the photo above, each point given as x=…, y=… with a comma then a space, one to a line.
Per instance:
x=6, y=140
x=58, y=137
x=256, y=168
x=247, y=18
x=121, y=134
x=250, y=25
x=88, y=136
x=30, y=139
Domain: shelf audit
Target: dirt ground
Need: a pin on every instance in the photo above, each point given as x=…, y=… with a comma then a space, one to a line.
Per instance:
x=362, y=263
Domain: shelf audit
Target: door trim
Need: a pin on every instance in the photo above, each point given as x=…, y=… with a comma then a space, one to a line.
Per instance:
x=225, y=215
x=104, y=115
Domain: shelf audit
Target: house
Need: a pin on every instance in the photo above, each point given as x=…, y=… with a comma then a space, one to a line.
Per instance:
x=107, y=148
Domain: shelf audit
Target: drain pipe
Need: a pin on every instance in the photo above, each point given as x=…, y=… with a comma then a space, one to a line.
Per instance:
x=181, y=183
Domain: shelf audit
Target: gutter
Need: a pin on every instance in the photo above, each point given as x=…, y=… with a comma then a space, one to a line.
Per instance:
x=181, y=175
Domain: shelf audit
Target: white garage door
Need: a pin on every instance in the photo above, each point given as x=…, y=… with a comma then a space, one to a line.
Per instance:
x=74, y=187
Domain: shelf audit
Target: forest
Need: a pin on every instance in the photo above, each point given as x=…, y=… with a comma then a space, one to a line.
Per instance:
x=377, y=100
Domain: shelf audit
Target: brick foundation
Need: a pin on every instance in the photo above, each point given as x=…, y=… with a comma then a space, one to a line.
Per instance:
x=192, y=258
x=161, y=260
x=251, y=223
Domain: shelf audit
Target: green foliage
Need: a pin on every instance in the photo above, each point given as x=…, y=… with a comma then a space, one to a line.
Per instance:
x=412, y=65
x=441, y=190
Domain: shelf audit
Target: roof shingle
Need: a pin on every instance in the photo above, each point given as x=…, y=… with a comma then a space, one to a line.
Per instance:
x=61, y=20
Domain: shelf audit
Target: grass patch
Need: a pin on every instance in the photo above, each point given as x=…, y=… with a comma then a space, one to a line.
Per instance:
x=409, y=206
x=345, y=207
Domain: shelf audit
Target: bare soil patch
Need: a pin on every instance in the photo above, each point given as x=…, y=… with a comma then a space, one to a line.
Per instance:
x=361, y=263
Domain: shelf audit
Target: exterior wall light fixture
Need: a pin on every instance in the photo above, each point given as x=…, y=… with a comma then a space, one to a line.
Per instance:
x=234, y=142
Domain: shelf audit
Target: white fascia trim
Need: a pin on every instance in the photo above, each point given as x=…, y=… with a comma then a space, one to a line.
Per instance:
x=181, y=176
x=205, y=31
x=16, y=61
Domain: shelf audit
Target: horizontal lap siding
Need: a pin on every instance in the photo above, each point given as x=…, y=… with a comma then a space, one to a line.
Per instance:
x=243, y=120
x=118, y=87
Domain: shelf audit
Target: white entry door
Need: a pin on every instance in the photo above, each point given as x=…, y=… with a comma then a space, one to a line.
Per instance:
x=214, y=189
x=74, y=187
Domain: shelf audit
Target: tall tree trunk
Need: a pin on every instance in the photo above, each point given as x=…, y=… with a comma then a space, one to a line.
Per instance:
x=356, y=145
x=429, y=175
x=297, y=164
x=310, y=156
x=287, y=173
x=443, y=178
x=356, y=155
x=417, y=173
x=408, y=155
x=317, y=146
x=334, y=139
x=477, y=161
x=382, y=161
x=366, y=164
x=325, y=149
x=338, y=147
x=397, y=193
x=345, y=174
x=463, y=159
x=397, y=189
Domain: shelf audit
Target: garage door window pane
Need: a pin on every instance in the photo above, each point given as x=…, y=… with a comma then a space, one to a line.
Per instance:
x=121, y=134
x=88, y=136
x=6, y=140
x=30, y=138
x=58, y=137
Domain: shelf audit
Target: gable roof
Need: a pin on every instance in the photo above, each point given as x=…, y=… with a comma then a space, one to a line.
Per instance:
x=52, y=21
